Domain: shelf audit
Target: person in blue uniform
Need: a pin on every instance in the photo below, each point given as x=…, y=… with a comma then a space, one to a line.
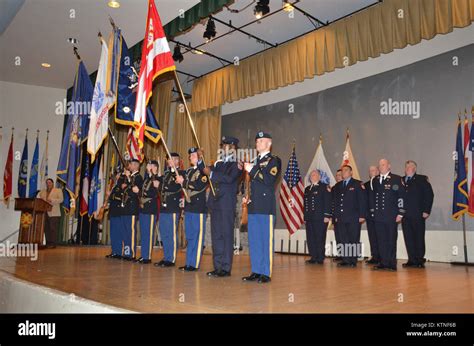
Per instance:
x=132, y=185
x=170, y=212
x=337, y=257
x=349, y=212
x=386, y=204
x=115, y=211
x=224, y=175
x=374, y=247
x=264, y=173
x=317, y=214
x=148, y=211
x=418, y=203
x=195, y=182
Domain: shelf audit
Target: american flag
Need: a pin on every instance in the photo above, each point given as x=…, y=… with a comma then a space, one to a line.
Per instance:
x=133, y=149
x=291, y=196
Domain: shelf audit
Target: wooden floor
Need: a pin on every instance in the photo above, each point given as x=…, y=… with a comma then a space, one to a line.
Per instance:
x=296, y=287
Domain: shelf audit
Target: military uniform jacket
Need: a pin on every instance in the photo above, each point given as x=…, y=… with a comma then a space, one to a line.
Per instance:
x=225, y=179
x=387, y=199
x=115, y=198
x=368, y=191
x=349, y=203
x=170, y=192
x=149, y=197
x=263, y=177
x=418, y=196
x=131, y=200
x=195, y=183
x=317, y=201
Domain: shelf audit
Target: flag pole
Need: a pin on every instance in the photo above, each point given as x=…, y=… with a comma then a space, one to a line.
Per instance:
x=181, y=93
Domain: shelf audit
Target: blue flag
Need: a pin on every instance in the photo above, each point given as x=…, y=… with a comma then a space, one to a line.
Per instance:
x=75, y=134
x=95, y=187
x=460, y=196
x=33, y=189
x=23, y=171
x=126, y=97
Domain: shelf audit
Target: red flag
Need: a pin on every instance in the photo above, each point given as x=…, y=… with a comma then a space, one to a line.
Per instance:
x=84, y=203
x=156, y=59
x=133, y=149
x=7, y=175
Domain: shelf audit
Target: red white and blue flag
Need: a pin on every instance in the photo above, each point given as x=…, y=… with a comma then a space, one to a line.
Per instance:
x=291, y=196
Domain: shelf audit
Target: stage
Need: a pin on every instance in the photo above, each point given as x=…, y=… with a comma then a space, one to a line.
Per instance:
x=295, y=287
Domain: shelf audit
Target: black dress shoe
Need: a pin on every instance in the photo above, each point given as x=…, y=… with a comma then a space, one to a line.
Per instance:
x=159, y=264
x=419, y=265
x=408, y=264
x=251, y=277
x=345, y=264
x=390, y=269
x=110, y=255
x=144, y=261
x=337, y=259
x=213, y=273
x=138, y=259
x=128, y=258
x=223, y=273
x=263, y=279
x=378, y=267
x=183, y=268
x=372, y=261
x=167, y=264
x=320, y=262
x=311, y=261
x=190, y=269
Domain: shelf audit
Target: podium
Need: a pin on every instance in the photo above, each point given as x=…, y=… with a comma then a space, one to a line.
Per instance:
x=32, y=219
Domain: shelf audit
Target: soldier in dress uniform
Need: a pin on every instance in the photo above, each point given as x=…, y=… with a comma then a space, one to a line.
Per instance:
x=338, y=257
x=170, y=211
x=131, y=185
x=418, y=202
x=264, y=172
x=195, y=182
x=224, y=175
x=386, y=204
x=115, y=211
x=374, y=247
x=148, y=211
x=349, y=212
x=317, y=214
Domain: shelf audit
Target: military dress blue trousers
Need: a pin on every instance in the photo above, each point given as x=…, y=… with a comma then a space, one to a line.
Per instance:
x=169, y=235
x=116, y=233
x=261, y=243
x=129, y=227
x=147, y=234
x=195, y=226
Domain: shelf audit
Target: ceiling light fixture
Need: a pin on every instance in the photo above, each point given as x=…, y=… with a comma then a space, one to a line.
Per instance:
x=261, y=9
x=210, y=32
x=45, y=65
x=113, y=4
x=287, y=6
x=177, y=56
x=73, y=41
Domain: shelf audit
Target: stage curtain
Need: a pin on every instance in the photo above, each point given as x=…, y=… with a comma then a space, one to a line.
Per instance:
x=161, y=106
x=208, y=129
x=392, y=24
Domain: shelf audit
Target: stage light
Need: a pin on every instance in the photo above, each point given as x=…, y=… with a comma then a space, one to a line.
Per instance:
x=177, y=56
x=210, y=32
x=46, y=65
x=261, y=8
x=114, y=4
x=287, y=6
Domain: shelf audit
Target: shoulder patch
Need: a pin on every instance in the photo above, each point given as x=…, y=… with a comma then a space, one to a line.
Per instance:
x=274, y=171
x=204, y=179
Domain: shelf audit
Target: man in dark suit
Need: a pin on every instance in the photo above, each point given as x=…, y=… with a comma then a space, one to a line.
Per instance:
x=386, y=205
x=338, y=257
x=224, y=176
x=317, y=214
x=264, y=172
x=349, y=202
x=374, y=247
x=418, y=202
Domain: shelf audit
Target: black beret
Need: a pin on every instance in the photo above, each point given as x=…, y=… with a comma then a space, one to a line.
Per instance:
x=192, y=150
x=230, y=140
x=153, y=162
x=262, y=134
x=135, y=160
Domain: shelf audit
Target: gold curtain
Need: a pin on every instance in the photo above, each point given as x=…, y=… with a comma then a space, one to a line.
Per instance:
x=392, y=24
x=161, y=106
x=208, y=129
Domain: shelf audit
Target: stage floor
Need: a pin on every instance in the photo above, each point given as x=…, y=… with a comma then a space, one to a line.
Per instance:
x=295, y=286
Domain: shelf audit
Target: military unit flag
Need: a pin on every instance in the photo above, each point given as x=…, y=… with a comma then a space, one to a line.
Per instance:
x=7, y=175
x=23, y=171
x=33, y=182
